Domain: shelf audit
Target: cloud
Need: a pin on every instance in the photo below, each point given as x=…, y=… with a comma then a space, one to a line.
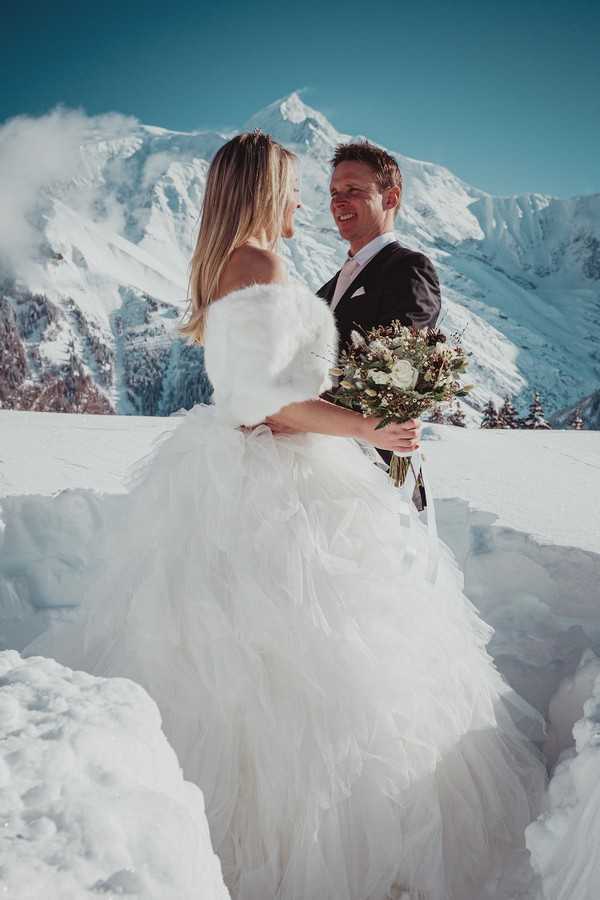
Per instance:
x=36, y=156
x=155, y=166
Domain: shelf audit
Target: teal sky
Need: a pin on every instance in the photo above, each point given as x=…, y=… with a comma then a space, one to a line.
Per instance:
x=506, y=95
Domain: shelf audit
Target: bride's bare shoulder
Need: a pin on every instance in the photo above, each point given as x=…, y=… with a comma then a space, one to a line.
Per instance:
x=251, y=265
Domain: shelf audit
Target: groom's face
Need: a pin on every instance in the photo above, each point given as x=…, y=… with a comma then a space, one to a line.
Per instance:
x=358, y=204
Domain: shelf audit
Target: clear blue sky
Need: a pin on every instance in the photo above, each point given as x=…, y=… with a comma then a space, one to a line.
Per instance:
x=507, y=95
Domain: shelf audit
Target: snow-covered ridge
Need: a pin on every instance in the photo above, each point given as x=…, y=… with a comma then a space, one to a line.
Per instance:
x=106, y=239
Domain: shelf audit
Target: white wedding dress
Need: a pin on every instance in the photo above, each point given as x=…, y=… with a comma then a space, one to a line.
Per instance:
x=341, y=714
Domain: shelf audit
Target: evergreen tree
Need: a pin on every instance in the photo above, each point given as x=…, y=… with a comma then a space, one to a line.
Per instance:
x=577, y=421
x=535, y=419
x=490, y=416
x=437, y=416
x=507, y=417
x=185, y=381
x=457, y=416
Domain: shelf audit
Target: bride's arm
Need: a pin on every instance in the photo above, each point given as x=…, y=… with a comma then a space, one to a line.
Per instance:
x=254, y=265
x=322, y=417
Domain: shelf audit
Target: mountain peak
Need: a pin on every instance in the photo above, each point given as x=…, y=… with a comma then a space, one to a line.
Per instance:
x=293, y=109
x=289, y=109
x=291, y=120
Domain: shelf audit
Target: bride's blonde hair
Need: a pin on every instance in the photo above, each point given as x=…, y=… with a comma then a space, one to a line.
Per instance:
x=247, y=189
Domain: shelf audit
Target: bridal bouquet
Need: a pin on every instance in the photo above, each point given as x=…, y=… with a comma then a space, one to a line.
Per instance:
x=398, y=372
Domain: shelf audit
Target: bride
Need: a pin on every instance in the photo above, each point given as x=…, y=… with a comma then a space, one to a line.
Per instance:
x=267, y=586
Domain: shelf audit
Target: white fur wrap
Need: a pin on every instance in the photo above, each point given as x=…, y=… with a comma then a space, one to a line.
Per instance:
x=267, y=346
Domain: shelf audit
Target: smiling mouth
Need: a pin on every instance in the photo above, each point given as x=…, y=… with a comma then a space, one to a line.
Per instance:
x=346, y=217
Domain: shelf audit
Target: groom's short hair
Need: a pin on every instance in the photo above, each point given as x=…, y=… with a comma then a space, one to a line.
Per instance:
x=386, y=169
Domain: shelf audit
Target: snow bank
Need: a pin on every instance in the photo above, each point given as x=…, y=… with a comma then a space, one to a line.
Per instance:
x=92, y=797
x=567, y=706
x=540, y=598
x=564, y=841
x=539, y=483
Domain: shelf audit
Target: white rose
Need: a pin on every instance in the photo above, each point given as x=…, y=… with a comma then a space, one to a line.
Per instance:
x=403, y=375
x=377, y=347
x=378, y=377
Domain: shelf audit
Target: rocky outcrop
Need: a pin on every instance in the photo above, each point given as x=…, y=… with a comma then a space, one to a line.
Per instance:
x=13, y=359
x=27, y=381
x=137, y=365
x=588, y=409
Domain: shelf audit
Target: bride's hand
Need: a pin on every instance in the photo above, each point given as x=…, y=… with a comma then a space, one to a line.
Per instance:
x=402, y=437
x=279, y=427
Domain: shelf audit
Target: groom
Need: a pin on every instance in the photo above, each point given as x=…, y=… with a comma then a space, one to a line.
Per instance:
x=381, y=280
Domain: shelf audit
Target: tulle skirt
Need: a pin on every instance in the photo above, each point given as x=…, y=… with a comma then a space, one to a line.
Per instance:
x=340, y=713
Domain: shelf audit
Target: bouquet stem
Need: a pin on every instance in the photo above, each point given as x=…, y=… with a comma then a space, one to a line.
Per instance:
x=400, y=466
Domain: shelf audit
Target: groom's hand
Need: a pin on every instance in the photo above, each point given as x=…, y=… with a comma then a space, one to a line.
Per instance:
x=403, y=437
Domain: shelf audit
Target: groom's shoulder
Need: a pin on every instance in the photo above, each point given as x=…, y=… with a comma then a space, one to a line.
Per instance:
x=399, y=255
x=403, y=263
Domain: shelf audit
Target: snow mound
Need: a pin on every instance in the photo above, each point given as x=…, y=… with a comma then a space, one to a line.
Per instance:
x=564, y=841
x=93, y=799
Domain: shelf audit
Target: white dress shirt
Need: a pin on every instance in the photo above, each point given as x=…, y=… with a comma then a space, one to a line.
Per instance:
x=355, y=264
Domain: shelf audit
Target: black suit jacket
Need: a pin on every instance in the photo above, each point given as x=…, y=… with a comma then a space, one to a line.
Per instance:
x=399, y=284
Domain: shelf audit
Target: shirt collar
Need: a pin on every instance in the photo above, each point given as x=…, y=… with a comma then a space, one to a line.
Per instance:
x=367, y=252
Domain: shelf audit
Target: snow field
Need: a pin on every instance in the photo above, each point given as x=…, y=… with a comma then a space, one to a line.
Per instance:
x=516, y=509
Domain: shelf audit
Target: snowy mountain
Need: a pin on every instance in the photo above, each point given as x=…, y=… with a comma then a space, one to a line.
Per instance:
x=93, y=289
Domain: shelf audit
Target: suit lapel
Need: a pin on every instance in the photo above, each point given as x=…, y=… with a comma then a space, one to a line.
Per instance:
x=328, y=289
x=363, y=275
